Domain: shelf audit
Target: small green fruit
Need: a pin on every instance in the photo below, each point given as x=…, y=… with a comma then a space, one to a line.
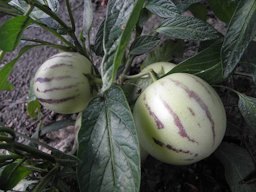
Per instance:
x=61, y=85
x=180, y=119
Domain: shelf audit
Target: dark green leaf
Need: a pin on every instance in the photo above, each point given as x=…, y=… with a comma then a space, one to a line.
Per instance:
x=247, y=107
x=33, y=106
x=190, y=28
x=87, y=16
x=11, y=31
x=206, y=64
x=108, y=145
x=122, y=16
x=144, y=44
x=242, y=29
x=184, y=4
x=166, y=52
x=7, y=69
x=98, y=45
x=56, y=126
x=200, y=11
x=238, y=164
x=162, y=8
x=223, y=9
x=12, y=175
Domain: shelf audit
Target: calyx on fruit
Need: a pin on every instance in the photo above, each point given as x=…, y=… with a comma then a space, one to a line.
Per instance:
x=61, y=85
x=180, y=119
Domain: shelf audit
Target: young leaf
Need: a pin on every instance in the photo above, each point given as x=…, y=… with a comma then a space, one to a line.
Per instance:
x=33, y=106
x=247, y=107
x=223, y=9
x=238, y=164
x=87, y=16
x=162, y=8
x=191, y=28
x=166, y=52
x=7, y=69
x=11, y=31
x=144, y=44
x=108, y=145
x=121, y=19
x=206, y=64
x=11, y=175
x=242, y=29
x=98, y=45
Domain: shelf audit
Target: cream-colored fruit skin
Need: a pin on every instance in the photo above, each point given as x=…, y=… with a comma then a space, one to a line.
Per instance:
x=65, y=69
x=193, y=101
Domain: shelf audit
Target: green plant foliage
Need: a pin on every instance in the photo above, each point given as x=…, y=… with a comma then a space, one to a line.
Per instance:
x=12, y=174
x=199, y=10
x=184, y=4
x=108, y=145
x=165, y=52
x=11, y=31
x=242, y=29
x=206, y=64
x=191, y=28
x=162, y=8
x=238, y=164
x=7, y=69
x=144, y=44
x=247, y=107
x=223, y=9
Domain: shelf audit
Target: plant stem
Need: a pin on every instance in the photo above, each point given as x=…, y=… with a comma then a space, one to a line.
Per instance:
x=70, y=15
x=228, y=88
x=57, y=46
x=243, y=74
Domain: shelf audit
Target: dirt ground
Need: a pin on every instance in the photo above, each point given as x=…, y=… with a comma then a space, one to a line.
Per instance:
x=205, y=176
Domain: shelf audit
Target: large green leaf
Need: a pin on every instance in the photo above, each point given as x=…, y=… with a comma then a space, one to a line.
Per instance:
x=108, y=146
x=206, y=64
x=242, y=29
x=183, y=27
x=11, y=31
x=121, y=18
x=11, y=175
x=247, y=107
x=7, y=69
x=162, y=8
x=223, y=9
x=165, y=52
x=238, y=164
x=144, y=44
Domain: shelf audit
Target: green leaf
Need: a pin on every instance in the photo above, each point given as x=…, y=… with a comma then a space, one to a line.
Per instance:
x=238, y=164
x=199, y=10
x=56, y=126
x=7, y=69
x=247, y=107
x=144, y=44
x=98, y=45
x=206, y=64
x=224, y=10
x=8, y=9
x=162, y=8
x=184, y=4
x=33, y=106
x=11, y=31
x=12, y=175
x=165, y=52
x=120, y=14
x=242, y=29
x=191, y=28
x=36, y=14
x=87, y=16
x=108, y=145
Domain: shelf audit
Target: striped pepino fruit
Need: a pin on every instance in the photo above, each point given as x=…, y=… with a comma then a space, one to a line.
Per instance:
x=180, y=119
x=61, y=85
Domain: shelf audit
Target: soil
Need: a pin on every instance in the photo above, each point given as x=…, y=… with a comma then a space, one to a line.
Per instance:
x=208, y=175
